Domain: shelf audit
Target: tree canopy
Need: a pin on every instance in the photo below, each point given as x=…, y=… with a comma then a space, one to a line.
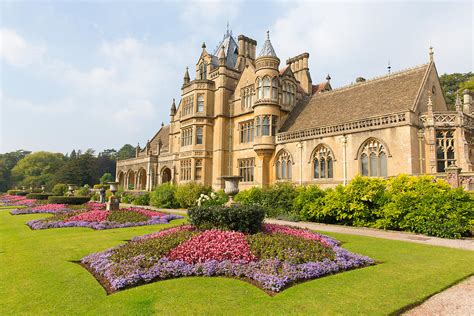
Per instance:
x=37, y=168
x=456, y=83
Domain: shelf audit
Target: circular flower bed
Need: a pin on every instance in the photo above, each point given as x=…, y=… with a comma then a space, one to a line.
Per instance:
x=273, y=259
x=95, y=216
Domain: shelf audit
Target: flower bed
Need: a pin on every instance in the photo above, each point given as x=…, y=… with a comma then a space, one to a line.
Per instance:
x=47, y=208
x=95, y=217
x=16, y=200
x=273, y=259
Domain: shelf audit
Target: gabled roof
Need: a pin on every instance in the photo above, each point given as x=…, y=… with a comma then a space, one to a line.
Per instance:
x=320, y=87
x=388, y=94
x=163, y=135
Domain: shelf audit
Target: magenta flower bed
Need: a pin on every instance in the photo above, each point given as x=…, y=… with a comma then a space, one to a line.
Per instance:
x=47, y=208
x=214, y=253
x=16, y=200
x=95, y=218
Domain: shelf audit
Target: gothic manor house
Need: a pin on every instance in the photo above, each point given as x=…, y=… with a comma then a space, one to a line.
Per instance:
x=249, y=115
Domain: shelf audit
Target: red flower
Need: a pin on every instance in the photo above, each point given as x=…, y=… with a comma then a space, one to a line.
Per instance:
x=91, y=216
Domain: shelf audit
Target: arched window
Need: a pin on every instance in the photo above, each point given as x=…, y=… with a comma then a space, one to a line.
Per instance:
x=283, y=166
x=373, y=159
x=203, y=71
x=199, y=135
x=322, y=163
x=444, y=150
x=275, y=88
x=266, y=125
x=285, y=92
x=259, y=88
x=258, y=124
x=266, y=88
x=200, y=103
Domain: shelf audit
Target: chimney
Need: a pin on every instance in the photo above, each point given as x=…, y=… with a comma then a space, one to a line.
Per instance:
x=299, y=66
x=247, y=50
x=360, y=79
x=468, y=108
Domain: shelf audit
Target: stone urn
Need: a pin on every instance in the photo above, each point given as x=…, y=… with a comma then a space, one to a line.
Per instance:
x=114, y=203
x=231, y=187
x=70, y=189
x=43, y=188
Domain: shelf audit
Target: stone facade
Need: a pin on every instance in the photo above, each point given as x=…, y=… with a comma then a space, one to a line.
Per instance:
x=247, y=115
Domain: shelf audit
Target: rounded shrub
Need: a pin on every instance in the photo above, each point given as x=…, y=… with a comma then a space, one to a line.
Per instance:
x=39, y=196
x=188, y=194
x=68, y=199
x=164, y=196
x=243, y=218
x=59, y=189
x=142, y=199
x=83, y=191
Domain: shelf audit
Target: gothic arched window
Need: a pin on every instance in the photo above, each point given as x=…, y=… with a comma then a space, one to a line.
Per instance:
x=283, y=166
x=444, y=150
x=373, y=159
x=266, y=87
x=203, y=71
x=323, y=163
x=275, y=88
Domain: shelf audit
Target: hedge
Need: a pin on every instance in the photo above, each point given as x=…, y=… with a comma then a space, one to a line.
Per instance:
x=17, y=192
x=243, y=218
x=68, y=199
x=39, y=196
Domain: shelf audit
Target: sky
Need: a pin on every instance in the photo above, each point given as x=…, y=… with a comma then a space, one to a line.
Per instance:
x=78, y=75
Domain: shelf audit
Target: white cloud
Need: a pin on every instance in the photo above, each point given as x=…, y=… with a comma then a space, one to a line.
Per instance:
x=16, y=51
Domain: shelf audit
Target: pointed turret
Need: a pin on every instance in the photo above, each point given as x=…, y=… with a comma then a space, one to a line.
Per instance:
x=267, y=49
x=187, y=79
x=173, y=108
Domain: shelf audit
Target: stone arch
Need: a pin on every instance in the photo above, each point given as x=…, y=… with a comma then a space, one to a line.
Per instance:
x=317, y=148
x=322, y=160
x=165, y=175
x=372, y=155
x=283, y=163
x=369, y=140
x=130, y=180
x=141, y=179
x=121, y=179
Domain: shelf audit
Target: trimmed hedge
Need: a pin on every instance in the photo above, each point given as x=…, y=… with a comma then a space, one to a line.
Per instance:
x=18, y=192
x=68, y=199
x=243, y=218
x=39, y=196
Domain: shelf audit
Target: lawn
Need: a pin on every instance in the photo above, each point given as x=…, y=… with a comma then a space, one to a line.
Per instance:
x=39, y=276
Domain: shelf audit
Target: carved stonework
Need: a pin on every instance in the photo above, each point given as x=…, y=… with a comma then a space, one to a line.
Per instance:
x=453, y=176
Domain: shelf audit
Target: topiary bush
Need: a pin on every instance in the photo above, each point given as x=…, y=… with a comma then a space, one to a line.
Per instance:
x=164, y=196
x=59, y=189
x=243, y=218
x=39, y=196
x=17, y=192
x=187, y=194
x=83, y=191
x=68, y=199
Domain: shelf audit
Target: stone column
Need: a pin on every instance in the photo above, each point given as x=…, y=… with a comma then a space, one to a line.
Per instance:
x=453, y=175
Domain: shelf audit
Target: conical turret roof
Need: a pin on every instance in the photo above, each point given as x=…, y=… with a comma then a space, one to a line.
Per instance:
x=267, y=49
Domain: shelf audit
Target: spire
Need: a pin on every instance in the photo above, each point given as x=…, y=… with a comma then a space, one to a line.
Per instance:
x=222, y=56
x=389, y=68
x=431, y=53
x=173, y=109
x=267, y=49
x=186, y=76
x=203, y=45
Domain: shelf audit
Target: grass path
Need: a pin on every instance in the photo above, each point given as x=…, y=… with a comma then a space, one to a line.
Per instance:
x=38, y=276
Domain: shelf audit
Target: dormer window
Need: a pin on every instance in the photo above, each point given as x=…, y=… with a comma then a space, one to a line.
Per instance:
x=203, y=71
x=289, y=91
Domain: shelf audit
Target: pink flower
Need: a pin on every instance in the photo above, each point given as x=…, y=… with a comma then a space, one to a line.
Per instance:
x=166, y=232
x=274, y=228
x=214, y=245
x=145, y=212
x=49, y=208
x=90, y=216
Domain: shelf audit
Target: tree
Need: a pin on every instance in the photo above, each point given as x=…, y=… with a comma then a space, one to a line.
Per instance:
x=37, y=168
x=7, y=162
x=111, y=153
x=79, y=171
x=451, y=84
x=126, y=152
x=106, y=177
x=469, y=85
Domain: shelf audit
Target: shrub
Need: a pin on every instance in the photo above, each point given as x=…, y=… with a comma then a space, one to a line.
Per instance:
x=39, y=196
x=127, y=198
x=100, y=186
x=164, y=196
x=243, y=218
x=142, y=199
x=187, y=194
x=59, y=189
x=17, y=192
x=213, y=199
x=68, y=199
x=309, y=198
x=83, y=191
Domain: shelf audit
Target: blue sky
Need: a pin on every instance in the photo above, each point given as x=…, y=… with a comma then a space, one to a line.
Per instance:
x=102, y=74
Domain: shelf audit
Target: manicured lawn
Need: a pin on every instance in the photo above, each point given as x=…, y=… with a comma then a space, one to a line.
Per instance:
x=38, y=276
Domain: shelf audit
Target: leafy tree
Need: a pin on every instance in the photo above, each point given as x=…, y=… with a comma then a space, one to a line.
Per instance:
x=73, y=154
x=106, y=177
x=469, y=85
x=451, y=84
x=37, y=168
x=111, y=153
x=126, y=152
x=7, y=162
x=79, y=171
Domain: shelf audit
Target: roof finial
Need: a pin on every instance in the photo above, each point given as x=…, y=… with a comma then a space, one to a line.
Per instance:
x=431, y=53
x=203, y=45
x=389, y=68
x=268, y=35
x=458, y=102
x=186, y=76
x=328, y=78
x=227, y=33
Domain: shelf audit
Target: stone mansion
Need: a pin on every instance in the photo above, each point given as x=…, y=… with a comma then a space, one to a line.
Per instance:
x=249, y=115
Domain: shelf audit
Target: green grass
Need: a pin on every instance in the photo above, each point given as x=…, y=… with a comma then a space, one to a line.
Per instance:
x=38, y=277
